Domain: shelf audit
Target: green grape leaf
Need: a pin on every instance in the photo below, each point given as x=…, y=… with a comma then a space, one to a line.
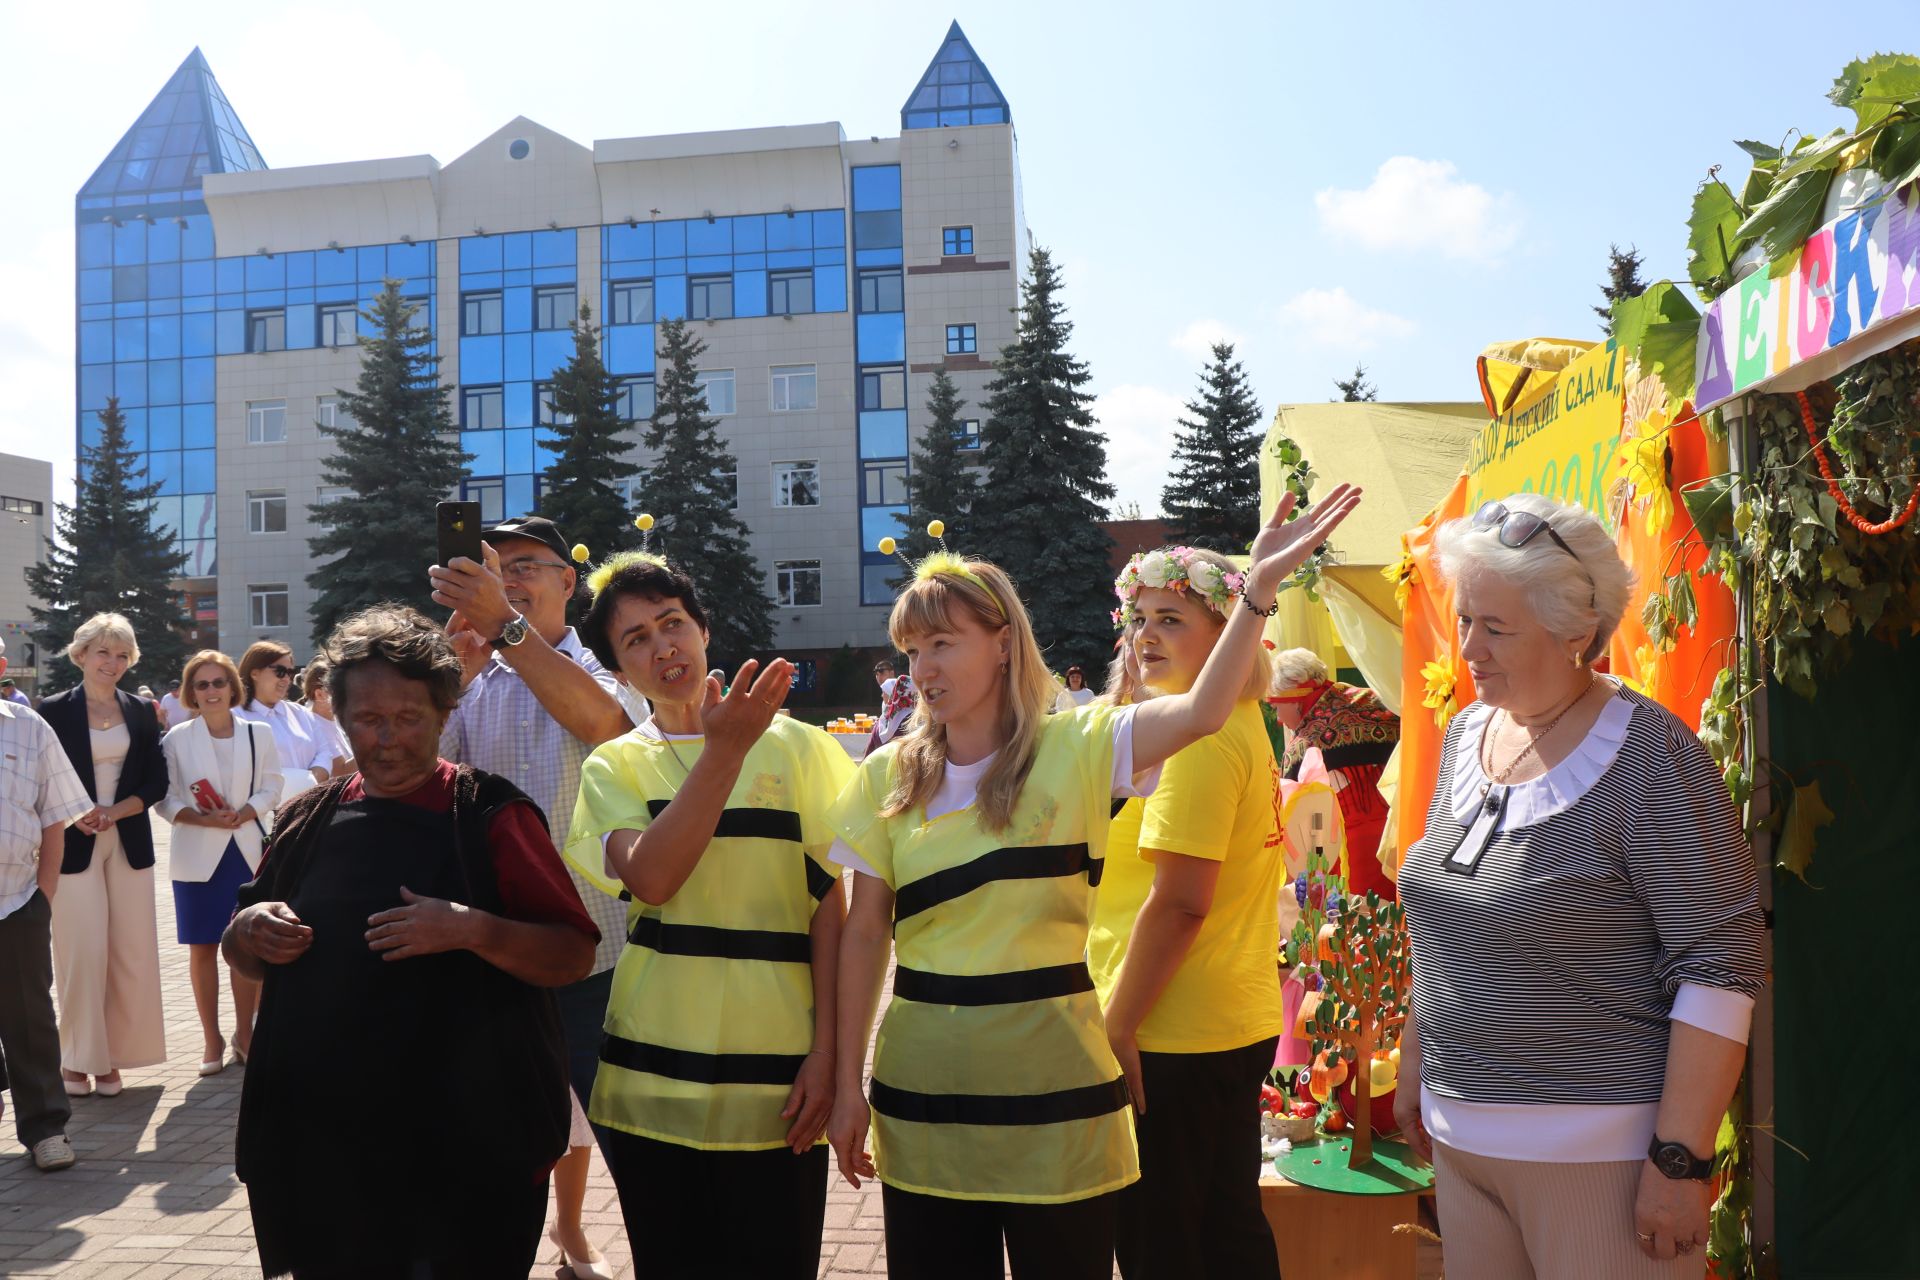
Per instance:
x=1873, y=87
x=1712, y=237
x=1789, y=214
x=1806, y=813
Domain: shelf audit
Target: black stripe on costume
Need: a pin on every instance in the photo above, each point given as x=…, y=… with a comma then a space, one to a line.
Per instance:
x=728, y=944
x=992, y=988
x=1026, y=862
x=701, y=1068
x=1002, y=1109
x=820, y=881
x=1119, y=803
x=747, y=823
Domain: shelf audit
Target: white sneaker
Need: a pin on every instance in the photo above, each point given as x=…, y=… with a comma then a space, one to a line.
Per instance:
x=53, y=1154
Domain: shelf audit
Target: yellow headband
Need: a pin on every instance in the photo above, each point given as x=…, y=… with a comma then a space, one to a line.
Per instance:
x=942, y=563
x=598, y=579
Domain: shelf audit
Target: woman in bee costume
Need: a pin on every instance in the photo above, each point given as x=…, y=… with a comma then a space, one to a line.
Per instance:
x=999, y=1115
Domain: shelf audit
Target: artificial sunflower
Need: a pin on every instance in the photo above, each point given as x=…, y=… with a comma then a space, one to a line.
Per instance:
x=1402, y=574
x=1640, y=464
x=1440, y=678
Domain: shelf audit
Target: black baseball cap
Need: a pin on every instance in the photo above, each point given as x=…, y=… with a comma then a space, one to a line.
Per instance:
x=537, y=528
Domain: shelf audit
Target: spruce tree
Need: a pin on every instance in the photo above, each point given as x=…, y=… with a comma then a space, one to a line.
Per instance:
x=942, y=485
x=1213, y=496
x=591, y=450
x=691, y=484
x=395, y=453
x=1357, y=388
x=110, y=558
x=1623, y=281
x=1038, y=514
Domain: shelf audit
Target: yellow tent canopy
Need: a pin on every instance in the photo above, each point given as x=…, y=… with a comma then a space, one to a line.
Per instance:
x=1510, y=370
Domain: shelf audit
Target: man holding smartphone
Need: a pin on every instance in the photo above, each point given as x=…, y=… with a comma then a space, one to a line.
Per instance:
x=535, y=704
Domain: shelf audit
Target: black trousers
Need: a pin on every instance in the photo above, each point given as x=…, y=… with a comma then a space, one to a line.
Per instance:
x=1196, y=1209
x=494, y=1240
x=29, y=1038
x=938, y=1238
x=692, y=1214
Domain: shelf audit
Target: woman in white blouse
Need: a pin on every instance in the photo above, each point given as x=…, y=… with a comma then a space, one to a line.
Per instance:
x=308, y=750
x=223, y=777
x=1586, y=930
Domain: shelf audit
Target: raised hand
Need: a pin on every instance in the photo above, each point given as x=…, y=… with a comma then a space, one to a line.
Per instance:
x=734, y=721
x=1282, y=547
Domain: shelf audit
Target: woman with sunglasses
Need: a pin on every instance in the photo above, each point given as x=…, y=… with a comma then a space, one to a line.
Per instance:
x=1586, y=929
x=223, y=779
x=308, y=750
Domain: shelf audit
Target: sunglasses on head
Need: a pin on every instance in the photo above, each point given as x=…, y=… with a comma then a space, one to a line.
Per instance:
x=1517, y=528
x=283, y=671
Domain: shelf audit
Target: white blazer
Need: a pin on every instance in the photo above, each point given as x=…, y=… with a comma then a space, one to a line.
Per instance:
x=253, y=779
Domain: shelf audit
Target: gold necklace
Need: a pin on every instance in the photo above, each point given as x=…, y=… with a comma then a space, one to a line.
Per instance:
x=1486, y=746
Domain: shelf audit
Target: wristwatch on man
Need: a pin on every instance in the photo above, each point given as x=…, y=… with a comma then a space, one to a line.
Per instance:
x=512, y=633
x=1674, y=1160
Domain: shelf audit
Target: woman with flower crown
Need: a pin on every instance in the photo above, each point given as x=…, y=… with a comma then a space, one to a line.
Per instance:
x=1182, y=947
x=716, y=1073
x=1000, y=1116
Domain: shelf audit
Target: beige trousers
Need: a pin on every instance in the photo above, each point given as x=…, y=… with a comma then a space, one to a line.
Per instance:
x=106, y=965
x=1523, y=1219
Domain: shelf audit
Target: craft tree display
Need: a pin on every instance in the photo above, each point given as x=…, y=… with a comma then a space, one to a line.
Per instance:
x=1358, y=949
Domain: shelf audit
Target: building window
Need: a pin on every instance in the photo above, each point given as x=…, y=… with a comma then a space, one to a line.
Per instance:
x=796, y=484
x=968, y=433
x=956, y=240
x=883, y=387
x=482, y=408
x=267, y=605
x=419, y=313
x=22, y=506
x=631, y=301
x=546, y=413
x=790, y=293
x=710, y=297
x=339, y=325
x=332, y=493
x=962, y=340
x=883, y=484
x=480, y=313
x=881, y=291
x=717, y=386
x=730, y=486
x=267, y=330
x=327, y=413
x=266, y=421
x=491, y=493
x=266, y=511
x=795, y=387
x=553, y=306
x=636, y=400
x=796, y=583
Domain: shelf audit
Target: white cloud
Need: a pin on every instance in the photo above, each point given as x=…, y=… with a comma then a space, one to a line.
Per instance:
x=1139, y=422
x=1197, y=339
x=1422, y=206
x=1335, y=318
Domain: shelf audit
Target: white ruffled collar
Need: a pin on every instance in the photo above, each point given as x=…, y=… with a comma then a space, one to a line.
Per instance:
x=1555, y=791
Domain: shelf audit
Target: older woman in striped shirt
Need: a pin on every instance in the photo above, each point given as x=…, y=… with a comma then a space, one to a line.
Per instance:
x=1586, y=930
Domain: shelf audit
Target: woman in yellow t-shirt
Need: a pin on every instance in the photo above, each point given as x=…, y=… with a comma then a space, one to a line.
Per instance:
x=1000, y=1118
x=1183, y=945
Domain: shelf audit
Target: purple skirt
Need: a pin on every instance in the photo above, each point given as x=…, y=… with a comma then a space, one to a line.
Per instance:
x=201, y=910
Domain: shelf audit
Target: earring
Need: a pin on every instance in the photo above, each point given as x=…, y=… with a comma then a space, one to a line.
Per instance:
x=1576, y=659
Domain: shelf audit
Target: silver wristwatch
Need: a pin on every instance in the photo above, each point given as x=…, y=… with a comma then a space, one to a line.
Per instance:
x=512, y=633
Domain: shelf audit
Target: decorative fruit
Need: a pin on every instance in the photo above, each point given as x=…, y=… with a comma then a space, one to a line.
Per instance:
x=1300, y=892
x=1379, y=1105
x=1317, y=893
x=1335, y=1121
x=1305, y=1110
x=1337, y=1069
x=1325, y=946
x=1303, y=1087
x=1383, y=1074
x=1271, y=1099
x=1308, y=1003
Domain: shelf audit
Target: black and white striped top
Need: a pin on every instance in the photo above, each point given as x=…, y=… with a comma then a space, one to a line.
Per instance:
x=1548, y=974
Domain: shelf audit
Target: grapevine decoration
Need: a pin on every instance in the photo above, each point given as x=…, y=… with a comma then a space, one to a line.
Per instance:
x=1296, y=477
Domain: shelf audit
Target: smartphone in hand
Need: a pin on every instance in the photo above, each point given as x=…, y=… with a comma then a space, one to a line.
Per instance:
x=206, y=797
x=458, y=526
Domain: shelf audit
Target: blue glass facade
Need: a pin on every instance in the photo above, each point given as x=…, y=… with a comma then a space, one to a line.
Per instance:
x=151, y=296
x=957, y=89
x=880, y=370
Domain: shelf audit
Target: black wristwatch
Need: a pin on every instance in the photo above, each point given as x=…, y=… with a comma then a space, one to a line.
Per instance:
x=1674, y=1160
x=512, y=633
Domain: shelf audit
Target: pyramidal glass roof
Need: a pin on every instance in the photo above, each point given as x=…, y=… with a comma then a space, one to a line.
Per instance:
x=189, y=129
x=957, y=89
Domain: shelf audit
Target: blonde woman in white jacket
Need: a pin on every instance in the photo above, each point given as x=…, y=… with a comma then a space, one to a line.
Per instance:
x=223, y=779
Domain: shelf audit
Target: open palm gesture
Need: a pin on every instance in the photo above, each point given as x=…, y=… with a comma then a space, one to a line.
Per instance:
x=1282, y=547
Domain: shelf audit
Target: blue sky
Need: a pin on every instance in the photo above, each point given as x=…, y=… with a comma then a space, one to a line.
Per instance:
x=1394, y=183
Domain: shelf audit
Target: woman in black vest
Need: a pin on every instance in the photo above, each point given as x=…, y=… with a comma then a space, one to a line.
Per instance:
x=407, y=924
x=106, y=948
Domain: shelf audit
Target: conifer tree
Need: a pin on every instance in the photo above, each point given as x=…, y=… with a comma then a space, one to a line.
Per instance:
x=1213, y=496
x=1623, y=281
x=691, y=486
x=1357, y=388
x=396, y=455
x=1038, y=513
x=942, y=485
x=591, y=450
x=110, y=557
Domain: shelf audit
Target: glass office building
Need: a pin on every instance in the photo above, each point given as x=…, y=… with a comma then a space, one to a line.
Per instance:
x=829, y=277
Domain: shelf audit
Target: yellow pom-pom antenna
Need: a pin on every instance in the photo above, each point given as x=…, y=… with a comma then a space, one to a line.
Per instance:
x=937, y=529
x=643, y=522
x=888, y=546
x=597, y=580
x=580, y=553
